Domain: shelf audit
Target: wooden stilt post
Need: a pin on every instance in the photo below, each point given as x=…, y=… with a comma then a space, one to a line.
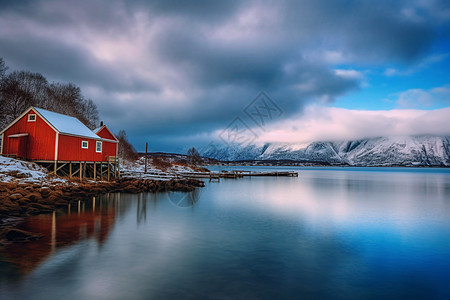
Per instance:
x=70, y=169
x=95, y=171
x=81, y=169
x=84, y=170
x=108, y=165
x=146, y=146
x=56, y=166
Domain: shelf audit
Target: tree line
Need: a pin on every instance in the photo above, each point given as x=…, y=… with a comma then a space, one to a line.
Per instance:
x=21, y=89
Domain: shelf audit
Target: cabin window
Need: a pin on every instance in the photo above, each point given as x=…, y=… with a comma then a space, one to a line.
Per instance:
x=31, y=118
x=84, y=144
x=98, y=146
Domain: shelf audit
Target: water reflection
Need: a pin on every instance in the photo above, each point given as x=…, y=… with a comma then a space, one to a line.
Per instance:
x=90, y=220
x=325, y=235
x=141, y=215
x=185, y=199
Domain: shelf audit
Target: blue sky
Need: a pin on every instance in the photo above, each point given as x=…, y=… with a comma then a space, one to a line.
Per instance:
x=384, y=84
x=178, y=74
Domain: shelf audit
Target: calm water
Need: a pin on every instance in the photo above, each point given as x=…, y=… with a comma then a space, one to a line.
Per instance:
x=331, y=233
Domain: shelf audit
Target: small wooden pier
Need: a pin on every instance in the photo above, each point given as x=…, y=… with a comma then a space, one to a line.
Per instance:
x=238, y=174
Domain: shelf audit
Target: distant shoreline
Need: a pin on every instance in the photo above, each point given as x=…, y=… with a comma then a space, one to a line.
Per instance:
x=283, y=162
x=270, y=164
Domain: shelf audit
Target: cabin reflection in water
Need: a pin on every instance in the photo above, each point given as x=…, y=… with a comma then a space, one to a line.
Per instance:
x=80, y=221
x=90, y=220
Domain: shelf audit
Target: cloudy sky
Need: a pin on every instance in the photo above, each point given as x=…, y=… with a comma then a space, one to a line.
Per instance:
x=182, y=74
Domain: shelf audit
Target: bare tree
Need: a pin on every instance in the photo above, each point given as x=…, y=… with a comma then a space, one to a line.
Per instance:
x=22, y=89
x=126, y=150
x=64, y=98
x=67, y=99
x=194, y=157
x=91, y=113
x=3, y=114
x=3, y=68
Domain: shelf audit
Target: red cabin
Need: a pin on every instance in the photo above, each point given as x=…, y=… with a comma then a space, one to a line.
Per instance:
x=42, y=135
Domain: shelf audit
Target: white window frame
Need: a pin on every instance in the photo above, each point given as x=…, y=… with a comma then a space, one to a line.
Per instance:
x=30, y=118
x=96, y=146
x=82, y=144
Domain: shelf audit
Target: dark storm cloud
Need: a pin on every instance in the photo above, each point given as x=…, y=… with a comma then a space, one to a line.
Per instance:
x=176, y=69
x=77, y=65
x=365, y=29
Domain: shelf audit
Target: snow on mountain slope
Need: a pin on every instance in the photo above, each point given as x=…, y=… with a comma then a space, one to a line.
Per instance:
x=381, y=151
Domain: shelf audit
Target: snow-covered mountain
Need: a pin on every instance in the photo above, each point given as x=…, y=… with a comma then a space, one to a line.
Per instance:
x=381, y=151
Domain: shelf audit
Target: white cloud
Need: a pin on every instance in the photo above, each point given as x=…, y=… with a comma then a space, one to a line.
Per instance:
x=420, y=98
x=319, y=123
x=415, y=98
x=354, y=74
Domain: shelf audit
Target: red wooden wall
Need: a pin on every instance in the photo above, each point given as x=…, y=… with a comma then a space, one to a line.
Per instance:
x=104, y=133
x=40, y=144
x=69, y=149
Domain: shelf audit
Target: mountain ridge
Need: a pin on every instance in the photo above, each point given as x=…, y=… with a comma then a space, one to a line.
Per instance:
x=423, y=150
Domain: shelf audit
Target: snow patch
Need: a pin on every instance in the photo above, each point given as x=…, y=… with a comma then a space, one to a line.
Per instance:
x=13, y=170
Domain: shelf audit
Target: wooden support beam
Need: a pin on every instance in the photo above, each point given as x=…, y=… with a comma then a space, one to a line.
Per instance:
x=95, y=171
x=70, y=169
x=61, y=166
x=75, y=173
x=108, y=165
x=81, y=171
x=56, y=165
x=146, y=157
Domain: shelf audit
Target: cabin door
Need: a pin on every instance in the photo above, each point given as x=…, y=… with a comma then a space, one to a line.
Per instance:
x=18, y=146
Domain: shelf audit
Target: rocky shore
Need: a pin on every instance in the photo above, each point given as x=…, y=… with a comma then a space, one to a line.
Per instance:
x=24, y=199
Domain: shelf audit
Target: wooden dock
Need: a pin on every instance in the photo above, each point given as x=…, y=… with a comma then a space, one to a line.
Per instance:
x=277, y=174
x=237, y=174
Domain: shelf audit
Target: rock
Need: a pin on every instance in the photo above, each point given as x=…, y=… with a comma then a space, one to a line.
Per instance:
x=55, y=194
x=12, y=205
x=50, y=199
x=13, y=234
x=15, y=196
x=23, y=201
x=34, y=197
x=21, y=191
x=42, y=207
x=32, y=211
x=131, y=189
x=45, y=191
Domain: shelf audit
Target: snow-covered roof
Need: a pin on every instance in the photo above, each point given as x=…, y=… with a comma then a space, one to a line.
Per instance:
x=66, y=124
x=96, y=130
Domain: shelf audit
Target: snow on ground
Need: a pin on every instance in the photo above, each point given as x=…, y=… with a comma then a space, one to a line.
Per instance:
x=17, y=170
x=162, y=169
